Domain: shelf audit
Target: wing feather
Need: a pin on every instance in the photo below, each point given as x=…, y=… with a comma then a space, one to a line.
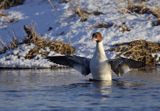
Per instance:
x=123, y=65
x=81, y=64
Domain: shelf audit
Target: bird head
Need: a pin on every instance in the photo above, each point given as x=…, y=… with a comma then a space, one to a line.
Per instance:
x=97, y=36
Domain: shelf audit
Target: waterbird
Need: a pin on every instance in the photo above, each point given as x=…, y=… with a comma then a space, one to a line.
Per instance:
x=99, y=65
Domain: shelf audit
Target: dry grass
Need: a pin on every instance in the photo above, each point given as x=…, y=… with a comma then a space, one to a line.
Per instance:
x=103, y=25
x=4, y=46
x=139, y=50
x=2, y=14
x=41, y=43
x=142, y=8
x=124, y=28
x=156, y=11
x=5, y=4
x=84, y=15
x=7, y=18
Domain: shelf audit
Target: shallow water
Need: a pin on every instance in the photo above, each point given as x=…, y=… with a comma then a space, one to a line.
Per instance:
x=67, y=90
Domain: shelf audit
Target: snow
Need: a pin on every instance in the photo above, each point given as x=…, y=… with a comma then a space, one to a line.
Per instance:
x=66, y=26
x=16, y=58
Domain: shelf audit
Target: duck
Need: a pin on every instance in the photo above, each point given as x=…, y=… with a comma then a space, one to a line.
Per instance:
x=99, y=65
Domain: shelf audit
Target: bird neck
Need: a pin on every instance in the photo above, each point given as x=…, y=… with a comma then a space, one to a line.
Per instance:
x=99, y=52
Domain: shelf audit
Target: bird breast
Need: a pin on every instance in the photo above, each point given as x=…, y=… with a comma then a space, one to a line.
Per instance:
x=100, y=70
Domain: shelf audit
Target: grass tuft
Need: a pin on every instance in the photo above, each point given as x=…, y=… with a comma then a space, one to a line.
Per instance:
x=104, y=25
x=139, y=50
x=142, y=8
x=42, y=43
x=5, y=4
x=4, y=46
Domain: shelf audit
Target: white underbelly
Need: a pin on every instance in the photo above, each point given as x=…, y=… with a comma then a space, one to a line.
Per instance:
x=101, y=70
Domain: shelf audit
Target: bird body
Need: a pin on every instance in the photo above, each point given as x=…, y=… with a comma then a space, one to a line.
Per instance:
x=99, y=66
x=100, y=69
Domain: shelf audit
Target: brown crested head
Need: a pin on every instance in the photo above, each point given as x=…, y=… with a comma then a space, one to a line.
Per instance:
x=97, y=36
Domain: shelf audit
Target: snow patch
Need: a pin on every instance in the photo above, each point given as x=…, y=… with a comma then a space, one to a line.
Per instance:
x=62, y=23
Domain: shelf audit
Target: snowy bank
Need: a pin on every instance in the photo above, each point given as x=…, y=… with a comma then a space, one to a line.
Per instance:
x=60, y=20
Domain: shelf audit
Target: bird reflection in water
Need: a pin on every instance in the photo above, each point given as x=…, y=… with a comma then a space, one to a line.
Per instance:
x=102, y=89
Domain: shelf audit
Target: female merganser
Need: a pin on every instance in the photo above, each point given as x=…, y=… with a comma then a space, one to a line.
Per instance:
x=99, y=66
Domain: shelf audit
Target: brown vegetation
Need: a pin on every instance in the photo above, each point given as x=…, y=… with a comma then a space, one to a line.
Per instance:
x=103, y=25
x=42, y=43
x=5, y=4
x=142, y=8
x=124, y=28
x=137, y=8
x=84, y=15
x=139, y=50
x=4, y=46
x=2, y=14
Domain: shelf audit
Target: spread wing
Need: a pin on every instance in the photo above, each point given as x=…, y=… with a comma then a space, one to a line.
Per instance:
x=81, y=64
x=123, y=65
x=119, y=65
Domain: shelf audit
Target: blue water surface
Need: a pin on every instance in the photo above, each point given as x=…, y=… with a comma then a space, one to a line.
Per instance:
x=67, y=90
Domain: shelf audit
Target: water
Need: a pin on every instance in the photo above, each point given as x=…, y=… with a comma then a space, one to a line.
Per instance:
x=67, y=90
